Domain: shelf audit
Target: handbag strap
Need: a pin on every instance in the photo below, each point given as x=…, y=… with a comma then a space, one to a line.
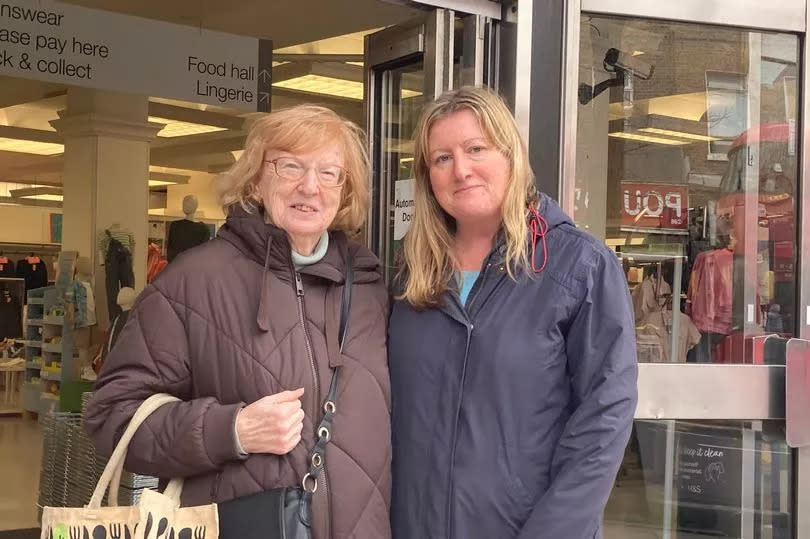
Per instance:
x=317, y=456
x=111, y=477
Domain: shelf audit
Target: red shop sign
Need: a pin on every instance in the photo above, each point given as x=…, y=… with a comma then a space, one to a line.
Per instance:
x=655, y=206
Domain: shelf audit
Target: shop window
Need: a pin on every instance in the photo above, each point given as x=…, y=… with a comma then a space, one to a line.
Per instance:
x=687, y=167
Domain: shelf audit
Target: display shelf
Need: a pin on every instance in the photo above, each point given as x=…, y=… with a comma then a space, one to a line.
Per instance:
x=34, y=365
x=51, y=376
x=53, y=320
x=36, y=301
x=55, y=348
x=33, y=343
x=35, y=322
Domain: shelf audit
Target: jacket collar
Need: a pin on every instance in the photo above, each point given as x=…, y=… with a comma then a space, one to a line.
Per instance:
x=268, y=246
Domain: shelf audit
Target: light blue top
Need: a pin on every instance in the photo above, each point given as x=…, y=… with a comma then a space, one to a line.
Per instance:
x=468, y=280
x=317, y=254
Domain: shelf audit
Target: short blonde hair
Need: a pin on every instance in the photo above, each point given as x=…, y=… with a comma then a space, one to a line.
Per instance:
x=302, y=128
x=428, y=251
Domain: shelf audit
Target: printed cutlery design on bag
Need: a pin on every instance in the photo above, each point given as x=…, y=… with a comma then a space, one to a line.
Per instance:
x=122, y=531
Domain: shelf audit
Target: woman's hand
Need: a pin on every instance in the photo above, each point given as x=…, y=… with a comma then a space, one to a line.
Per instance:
x=272, y=424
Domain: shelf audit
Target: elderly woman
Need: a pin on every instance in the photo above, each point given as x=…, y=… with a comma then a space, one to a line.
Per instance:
x=511, y=346
x=244, y=330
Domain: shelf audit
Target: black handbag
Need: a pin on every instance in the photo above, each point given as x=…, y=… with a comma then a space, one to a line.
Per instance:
x=286, y=513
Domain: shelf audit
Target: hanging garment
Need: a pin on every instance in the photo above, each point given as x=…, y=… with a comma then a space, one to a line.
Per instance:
x=119, y=274
x=81, y=295
x=659, y=324
x=7, y=267
x=648, y=296
x=710, y=291
x=115, y=330
x=154, y=262
x=10, y=316
x=185, y=234
x=123, y=236
x=34, y=271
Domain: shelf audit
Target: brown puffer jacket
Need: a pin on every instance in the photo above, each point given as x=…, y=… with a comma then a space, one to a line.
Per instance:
x=221, y=327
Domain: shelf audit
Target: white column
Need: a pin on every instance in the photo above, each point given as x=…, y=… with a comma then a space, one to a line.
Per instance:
x=105, y=176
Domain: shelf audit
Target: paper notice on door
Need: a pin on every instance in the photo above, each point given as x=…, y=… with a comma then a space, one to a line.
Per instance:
x=403, y=207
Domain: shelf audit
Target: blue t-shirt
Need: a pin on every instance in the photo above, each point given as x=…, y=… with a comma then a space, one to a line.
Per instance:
x=467, y=283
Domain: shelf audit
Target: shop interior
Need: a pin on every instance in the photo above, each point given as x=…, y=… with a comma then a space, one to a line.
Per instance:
x=51, y=351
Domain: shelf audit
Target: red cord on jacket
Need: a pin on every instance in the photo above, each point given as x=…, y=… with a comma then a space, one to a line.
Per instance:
x=539, y=228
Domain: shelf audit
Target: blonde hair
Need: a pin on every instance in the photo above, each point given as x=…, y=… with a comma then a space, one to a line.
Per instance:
x=300, y=129
x=430, y=262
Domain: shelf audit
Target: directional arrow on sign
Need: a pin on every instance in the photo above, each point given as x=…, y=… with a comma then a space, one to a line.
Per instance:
x=264, y=76
x=264, y=97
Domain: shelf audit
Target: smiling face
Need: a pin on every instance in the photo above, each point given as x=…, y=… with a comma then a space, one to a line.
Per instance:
x=468, y=174
x=304, y=208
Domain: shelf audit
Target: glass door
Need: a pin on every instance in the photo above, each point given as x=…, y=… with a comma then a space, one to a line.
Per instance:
x=407, y=66
x=688, y=165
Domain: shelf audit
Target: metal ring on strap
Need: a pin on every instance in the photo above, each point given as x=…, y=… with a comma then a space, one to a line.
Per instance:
x=323, y=432
x=314, y=484
x=329, y=407
x=317, y=460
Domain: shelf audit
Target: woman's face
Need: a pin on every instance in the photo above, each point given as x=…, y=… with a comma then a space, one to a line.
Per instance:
x=302, y=192
x=468, y=174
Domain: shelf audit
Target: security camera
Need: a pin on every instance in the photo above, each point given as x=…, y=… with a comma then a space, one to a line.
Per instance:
x=623, y=65
x=628, y=63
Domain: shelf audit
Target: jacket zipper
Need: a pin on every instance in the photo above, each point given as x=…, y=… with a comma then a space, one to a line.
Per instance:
x=322, y=479
x=451, y=489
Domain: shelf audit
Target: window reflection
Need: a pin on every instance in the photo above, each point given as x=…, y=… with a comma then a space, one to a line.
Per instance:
x=687, y=167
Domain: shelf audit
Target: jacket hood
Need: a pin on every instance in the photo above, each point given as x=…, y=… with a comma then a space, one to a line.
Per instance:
x=546, y=217
x=268, y=246
x=551, y=212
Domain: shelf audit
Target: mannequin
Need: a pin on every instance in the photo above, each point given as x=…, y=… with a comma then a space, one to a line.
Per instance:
x=186, y=233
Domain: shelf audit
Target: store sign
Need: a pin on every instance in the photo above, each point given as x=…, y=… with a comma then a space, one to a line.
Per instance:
x=655, y=206
x=403, y=207
x=62, y=43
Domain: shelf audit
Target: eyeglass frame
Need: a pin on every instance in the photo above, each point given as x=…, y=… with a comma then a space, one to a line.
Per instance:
x=344, y=173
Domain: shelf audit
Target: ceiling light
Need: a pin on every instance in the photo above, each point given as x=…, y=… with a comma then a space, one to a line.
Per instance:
x=178, y=128
x=679, y=134
x=159, y=179
x=38, y=193
x=317, y=84
x=338, y=79
x=30, y=146
x=651, y=140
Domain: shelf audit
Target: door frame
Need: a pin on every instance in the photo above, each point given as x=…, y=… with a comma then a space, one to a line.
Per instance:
x=431, y=39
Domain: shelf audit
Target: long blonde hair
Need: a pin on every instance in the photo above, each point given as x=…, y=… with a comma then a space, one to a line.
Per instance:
x=430, y=262
x=299, y=129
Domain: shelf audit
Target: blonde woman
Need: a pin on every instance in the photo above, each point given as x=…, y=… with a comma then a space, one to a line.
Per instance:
x=244, y=329
x=511, y=345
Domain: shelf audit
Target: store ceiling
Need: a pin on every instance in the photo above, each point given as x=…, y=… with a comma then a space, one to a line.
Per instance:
x=27, y=106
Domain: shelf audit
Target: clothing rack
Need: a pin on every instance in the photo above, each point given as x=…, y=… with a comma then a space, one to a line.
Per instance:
x=659, y=259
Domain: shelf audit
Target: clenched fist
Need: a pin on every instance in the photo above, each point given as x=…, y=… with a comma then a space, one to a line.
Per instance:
x=272, y=424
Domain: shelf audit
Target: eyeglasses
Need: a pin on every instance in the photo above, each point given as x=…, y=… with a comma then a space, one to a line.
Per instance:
x=291, y=169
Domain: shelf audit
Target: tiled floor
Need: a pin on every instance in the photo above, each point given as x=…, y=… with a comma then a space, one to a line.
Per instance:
x=20, y=460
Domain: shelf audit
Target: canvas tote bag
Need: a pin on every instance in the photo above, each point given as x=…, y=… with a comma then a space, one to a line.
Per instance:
x=157, y=516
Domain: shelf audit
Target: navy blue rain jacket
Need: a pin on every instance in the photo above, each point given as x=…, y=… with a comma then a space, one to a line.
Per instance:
x=511, y=413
